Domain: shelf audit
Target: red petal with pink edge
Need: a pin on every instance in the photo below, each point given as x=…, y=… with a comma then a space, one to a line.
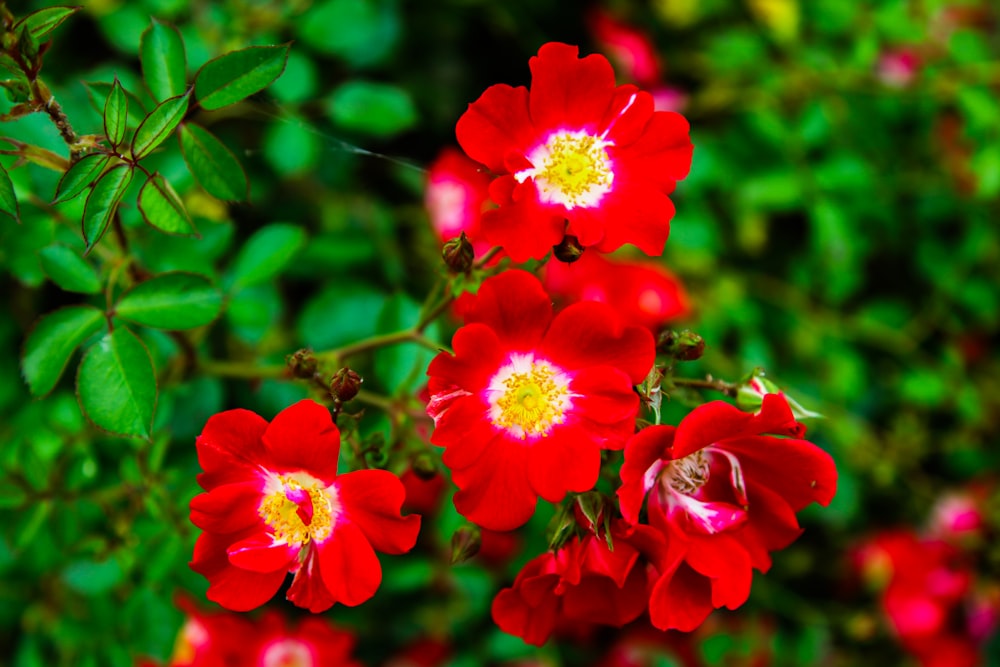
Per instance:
x=231, y=587
x=605, y=396
x=348, y=565
x=565, y=460
x=799, y=471
x=591, y=334
x=772, y=525
x=661, y=156
x=496, y=123
x=515, y=306
x=372, y=500
x=495, y=492
x=532, y=624
x=524, y=228
x=642, y=454
x=627, y=116
x=724, y=560
x=229, y=508
x=259, y=553
x=303, y=437
x=230, y=448
x=568, y=92
x=465, y=432
x=705, y=517
x=308, y=590
x=680, y=600
x=636, y=213
x=477, y=357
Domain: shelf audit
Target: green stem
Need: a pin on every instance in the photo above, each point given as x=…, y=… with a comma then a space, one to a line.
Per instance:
x=727, y=388
x=239, y=369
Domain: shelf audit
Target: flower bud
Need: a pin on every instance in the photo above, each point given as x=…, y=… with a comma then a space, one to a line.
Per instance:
x=458, y=254
x=752, y=389
x=345, y=385
x=683, y=346
x=569, y=249
x=423, y=467
x=302, y=363
x=465, y=543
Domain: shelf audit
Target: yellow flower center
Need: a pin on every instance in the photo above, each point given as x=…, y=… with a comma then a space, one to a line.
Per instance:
x=528, y=397
x=298, y=512
x=688, y=474
x=571, y=169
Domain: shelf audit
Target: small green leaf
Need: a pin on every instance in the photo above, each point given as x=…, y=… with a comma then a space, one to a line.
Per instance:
x=80, y=175
x=213, y=165
x=51, y=343
x=162, y=208
x=92, y=578
x=164, y=62
x=8, y=200
x=377, y=109
x=172, y=301
x=68, y=270
x=103, y=202
x=116, y=114
x=158, y=125
x=265, y=254
x=44, y=21
x=98, y=91
x=116, y=384
x=235, y=76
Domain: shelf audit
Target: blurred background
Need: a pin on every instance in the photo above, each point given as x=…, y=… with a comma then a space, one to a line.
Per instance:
x=838, y=229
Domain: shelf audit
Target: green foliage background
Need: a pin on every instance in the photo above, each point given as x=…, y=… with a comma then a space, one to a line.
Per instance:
x=835, y=230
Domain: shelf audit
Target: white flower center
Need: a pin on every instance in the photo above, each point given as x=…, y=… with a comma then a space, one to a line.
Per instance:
x=527, y=397
x=571, y=169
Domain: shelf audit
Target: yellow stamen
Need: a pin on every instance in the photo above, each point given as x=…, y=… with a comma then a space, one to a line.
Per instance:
x=688, y=474
x=531, y=402
x=281, y=512
x=571, y=168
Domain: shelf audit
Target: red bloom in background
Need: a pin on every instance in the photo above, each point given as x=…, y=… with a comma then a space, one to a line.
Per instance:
x=724, y=495
x=575, y=155
x=643, y=293
x=274, y=504
x=528, y=400
x=582, y=582
x=457, y=191
x=312, y=642
x=630, y=48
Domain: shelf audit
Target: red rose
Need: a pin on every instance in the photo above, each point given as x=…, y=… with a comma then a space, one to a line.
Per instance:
x=528, y=400
x=274, y=504
x=575, y=155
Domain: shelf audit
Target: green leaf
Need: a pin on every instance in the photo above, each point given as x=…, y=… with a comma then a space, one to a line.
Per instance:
x=92, y=578
x=158, y=125
x=213, y=165
x=164, y=62
x=172, y=301
x=235, y=76
x=68, y=270
x=80, y=175
x=116, y=384
x=377, y=109
x=162, y=208
x=44, y=21
x=8, y=200
x=116, y=114
x=265, y=254
x=51, y=343
x=361, y=32
x=98, y=91
x=103, y=202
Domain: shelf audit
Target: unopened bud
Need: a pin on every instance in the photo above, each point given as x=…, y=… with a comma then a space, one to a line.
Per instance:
x=681, y=345
x=568, y=250
x=458, y=254
x=423, y=467
x=754, y=387
x=302, y=363
x=465, y=543
x=596, y=510
x=345, y=385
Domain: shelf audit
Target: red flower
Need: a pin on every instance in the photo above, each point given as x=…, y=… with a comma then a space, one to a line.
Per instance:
x=724, y=495
x=312, y=642
x=575, y=155
x=643, y=293
x=457, y=190
x=629, y=47
x=527, y=401
x=582, y=582
x=275, y=504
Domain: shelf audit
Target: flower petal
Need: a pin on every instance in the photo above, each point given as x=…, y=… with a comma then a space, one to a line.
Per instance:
x=303, y=437
x=348, y=565
x=260, y=553
x=515, y=306
x=230, y=586
x=636, y=213
x=568, y=92
x=799, y=471
x=465, y=431
x=680, y=600
x=308, y=590
x=495, y=492
x=605, y=396
x=372, y=500
x=230, y=448
x=229, y=508
x=718, y=421
x=496, y=124
x=525, y=229
x=532, y=624
x=725, y=561
x=565, y=460
x=661, y=155
x=641, y=467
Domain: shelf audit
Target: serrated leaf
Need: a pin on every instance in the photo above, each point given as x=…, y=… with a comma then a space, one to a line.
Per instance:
x=212, y=164
x=44, y=21
x=158, y=125
x=265, y=254
x=80, y=175
x=172, y=301
x=164, y=62
x=52, y=342
x=235, y=76
x=162, y=208
x=116, y=114
x=103, y=201
x=116, y=384
x=8, y=200
x=68, y=270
